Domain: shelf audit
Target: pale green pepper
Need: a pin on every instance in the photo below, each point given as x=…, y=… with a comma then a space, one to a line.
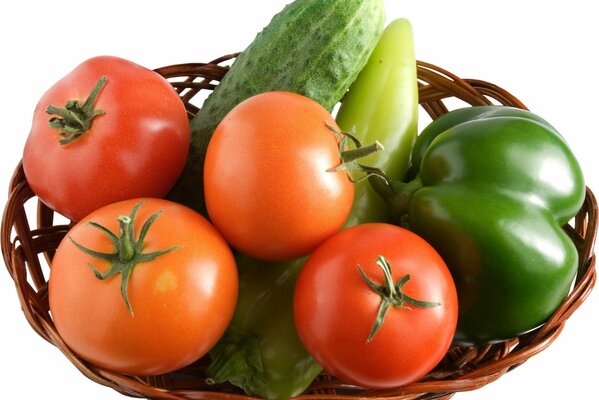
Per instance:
x=382, y=104
x=261, y=351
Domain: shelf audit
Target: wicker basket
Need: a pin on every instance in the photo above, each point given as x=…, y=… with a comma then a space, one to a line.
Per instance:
x=27, y=250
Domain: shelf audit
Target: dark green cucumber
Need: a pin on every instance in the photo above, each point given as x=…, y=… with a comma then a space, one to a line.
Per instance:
x=312, y=47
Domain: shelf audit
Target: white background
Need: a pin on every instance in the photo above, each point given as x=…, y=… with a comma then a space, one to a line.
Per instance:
x=543, y=52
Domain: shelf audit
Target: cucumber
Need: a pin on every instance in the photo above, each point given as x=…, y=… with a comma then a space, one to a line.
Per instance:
x=312, y=47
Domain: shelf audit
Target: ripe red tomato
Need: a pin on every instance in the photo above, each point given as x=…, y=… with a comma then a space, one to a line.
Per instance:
x=172, y=308
x=136, y=146
x=335, y=307
x=266, y=183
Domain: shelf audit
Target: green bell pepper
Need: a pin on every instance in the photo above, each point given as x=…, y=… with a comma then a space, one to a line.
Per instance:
x=261, y=351
x=494, y=187
x=382, y=104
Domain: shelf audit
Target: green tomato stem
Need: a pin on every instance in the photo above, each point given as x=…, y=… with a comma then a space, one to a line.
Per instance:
x=73, y=120
x=391, y=295
x=360, y=152
x=128, y=251
x=349, y=158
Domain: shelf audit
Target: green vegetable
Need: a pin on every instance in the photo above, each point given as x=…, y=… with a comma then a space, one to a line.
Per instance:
x=261, y=351
x=382, y=104
x=458, y=116
x=312, y=47
x=494, y=189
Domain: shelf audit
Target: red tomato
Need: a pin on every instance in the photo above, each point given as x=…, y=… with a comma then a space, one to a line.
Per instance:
x=177, y=302
x=335, y=307
x=266, y=183
x=135, y=148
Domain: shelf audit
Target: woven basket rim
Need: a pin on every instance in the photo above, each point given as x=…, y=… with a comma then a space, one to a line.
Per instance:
x=468, y=368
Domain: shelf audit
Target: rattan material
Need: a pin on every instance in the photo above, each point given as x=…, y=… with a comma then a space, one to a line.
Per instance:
x=28, y=245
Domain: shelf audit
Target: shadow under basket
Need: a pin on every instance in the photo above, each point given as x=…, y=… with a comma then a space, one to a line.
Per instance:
x=31, y=233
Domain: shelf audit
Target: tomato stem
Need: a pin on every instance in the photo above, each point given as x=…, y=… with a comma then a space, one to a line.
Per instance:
x=350, y=157
x=128, y=251
x=360, y=152
x=74, y=119
x=391, y=294
x=126, y=246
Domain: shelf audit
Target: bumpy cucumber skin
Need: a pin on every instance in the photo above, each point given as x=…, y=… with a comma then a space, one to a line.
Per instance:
x=312, y=47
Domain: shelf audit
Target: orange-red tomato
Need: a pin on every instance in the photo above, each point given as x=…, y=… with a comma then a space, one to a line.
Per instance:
x=180, y=303
x=335, y=308
x=266, y=180
x=135, y=147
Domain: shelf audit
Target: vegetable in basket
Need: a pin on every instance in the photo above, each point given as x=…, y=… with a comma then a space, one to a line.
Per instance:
x=142, y=287
x=493, y=188
x=261, y=351
x=376, y=306
x=83, y=150
x=276, y=176
x=382, y=104
x=312, y=47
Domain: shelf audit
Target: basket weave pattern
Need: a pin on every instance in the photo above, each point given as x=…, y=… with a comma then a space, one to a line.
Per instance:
x=28, y=245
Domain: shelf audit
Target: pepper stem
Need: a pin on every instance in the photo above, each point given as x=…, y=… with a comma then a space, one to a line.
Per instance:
x=74, y=119
x=128, y=251
x=391, y=295
x=397, y=195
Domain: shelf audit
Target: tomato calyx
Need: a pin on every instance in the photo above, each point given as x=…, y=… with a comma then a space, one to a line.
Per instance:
x=391, y=294
x=349, y=157
x=127, y=252
x=75, y=119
